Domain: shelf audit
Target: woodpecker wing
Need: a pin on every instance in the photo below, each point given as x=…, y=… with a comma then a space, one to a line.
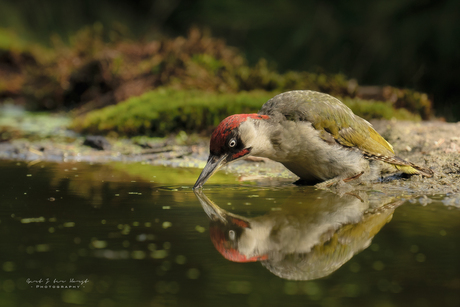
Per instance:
x=331, y=118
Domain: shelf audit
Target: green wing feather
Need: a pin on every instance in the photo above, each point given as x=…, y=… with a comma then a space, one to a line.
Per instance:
x=329, y=116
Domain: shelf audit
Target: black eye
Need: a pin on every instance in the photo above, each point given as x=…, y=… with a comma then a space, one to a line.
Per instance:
x=232, y=143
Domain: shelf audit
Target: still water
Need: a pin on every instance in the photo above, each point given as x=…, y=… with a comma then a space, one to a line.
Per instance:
x=136, y=235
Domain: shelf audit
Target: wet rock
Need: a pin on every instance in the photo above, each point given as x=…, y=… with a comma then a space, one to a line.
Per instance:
x=97, y=142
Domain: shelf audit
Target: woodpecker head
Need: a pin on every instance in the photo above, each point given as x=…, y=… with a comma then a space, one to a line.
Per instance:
x=231, y=140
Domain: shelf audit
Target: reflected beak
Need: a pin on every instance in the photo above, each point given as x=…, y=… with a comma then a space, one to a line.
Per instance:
x=212, y=166
x=213, y=211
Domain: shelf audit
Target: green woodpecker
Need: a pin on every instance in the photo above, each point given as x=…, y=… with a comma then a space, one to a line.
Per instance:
x=312, y=134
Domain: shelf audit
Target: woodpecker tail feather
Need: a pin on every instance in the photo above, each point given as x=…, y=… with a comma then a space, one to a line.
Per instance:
x=415, y=169
x=401, y=165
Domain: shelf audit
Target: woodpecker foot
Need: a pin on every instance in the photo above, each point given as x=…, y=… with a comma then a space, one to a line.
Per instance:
x=354, y=177
x=337, y=182
x=335, y=185
x=355, y=195
x=328, y=183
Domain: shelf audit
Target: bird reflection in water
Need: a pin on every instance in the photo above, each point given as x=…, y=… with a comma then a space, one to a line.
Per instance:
x=301, y=241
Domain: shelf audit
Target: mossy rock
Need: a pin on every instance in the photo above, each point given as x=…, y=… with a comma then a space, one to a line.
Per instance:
x=165, y=110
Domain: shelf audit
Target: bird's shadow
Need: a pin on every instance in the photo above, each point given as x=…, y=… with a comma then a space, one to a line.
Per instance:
x=393, y=177
x=303, y=182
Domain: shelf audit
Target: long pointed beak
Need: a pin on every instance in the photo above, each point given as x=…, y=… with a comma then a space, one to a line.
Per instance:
x=212, y=166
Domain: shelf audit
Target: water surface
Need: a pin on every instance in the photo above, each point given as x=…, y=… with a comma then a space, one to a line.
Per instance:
x=137, y=235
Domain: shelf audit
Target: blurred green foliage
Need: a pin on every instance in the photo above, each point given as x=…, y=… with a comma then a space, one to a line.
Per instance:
x=90, y=73
x=411, y=44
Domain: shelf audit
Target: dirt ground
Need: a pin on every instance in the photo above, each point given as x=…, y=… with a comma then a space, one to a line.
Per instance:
x=432, y=144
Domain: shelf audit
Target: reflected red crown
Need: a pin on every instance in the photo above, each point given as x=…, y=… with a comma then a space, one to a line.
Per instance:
x=224, y=247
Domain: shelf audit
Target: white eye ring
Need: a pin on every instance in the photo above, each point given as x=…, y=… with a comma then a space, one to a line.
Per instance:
x=232, y=143
x=231, y=235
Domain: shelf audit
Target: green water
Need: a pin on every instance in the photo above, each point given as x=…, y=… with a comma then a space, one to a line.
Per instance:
x=136, y=235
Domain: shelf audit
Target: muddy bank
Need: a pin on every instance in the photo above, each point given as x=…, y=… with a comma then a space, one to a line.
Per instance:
x=431, y=144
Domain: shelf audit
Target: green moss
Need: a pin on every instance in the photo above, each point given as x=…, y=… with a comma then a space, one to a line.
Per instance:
x=163, y=111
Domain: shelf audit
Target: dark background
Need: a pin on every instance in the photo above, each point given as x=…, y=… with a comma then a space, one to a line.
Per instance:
x=406, y=43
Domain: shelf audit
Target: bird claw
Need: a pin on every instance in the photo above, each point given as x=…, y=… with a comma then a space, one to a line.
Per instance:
x=336, y=182
x=353, y=177
x=327, y=184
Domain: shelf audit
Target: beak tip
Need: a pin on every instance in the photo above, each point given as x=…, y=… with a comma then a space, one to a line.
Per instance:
x=213, y=164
